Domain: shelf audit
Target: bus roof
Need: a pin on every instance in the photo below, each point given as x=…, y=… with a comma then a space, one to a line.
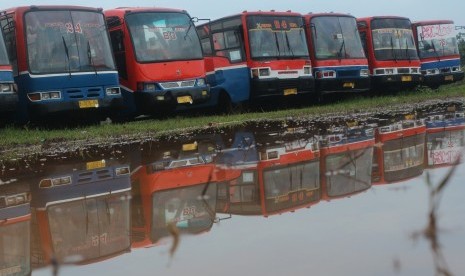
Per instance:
x=310, y=15
x=23, y=9
x=248, y=13
x=121, y=11
x=432, y=22
x=381, y=17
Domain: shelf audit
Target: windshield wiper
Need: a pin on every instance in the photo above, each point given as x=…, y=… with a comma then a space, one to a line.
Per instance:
x=277, y=44
x=407, y=50
x=339, y=53
x=288, y=44
x=89, y=56
x=392, y=50
x=436, y=52
x=67, y=55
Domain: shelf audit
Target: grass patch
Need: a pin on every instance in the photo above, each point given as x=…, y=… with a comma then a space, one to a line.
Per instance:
x=14, y=137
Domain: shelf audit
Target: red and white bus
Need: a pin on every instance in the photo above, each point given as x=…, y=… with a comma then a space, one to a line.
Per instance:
x=399, y=152
x=159, y=59
x=391, y=52
x=256, y=55
x=285, y=176
x=438, y=50
x=338, y=59
x=346, y=161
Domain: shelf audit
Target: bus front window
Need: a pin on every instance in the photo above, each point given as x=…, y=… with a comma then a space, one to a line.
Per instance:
x=67, y=41
x=393, y=39
x=163, y=36
x=437, y=40
x=336, y=37
x=3, y=53
x=277, y=37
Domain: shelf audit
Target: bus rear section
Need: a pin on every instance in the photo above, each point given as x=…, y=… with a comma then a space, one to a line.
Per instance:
x=257, y=55
x=438, y=51
x=62, y=61
x=8, y=95
x=338, y=59
x=391, y=52
x=159, y=59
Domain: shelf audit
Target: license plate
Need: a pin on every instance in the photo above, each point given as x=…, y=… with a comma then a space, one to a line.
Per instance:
x=189, y=147
x=88, y=104
x=184, y=99
x=291, y=91
x=406, y=78
x=95, y=165
x=348, y=85
x=449, y=78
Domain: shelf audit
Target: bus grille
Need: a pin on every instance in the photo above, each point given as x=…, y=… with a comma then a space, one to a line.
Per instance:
x=403, y=70
x=445, y=70
x=177, y=84
x=348, y=73
x=284, y=84
x=88, y=176
x=83, y=93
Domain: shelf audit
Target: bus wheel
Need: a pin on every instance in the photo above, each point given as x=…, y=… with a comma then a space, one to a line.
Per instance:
x=225, y=106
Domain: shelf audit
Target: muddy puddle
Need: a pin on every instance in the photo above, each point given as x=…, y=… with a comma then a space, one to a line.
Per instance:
x=326, y=197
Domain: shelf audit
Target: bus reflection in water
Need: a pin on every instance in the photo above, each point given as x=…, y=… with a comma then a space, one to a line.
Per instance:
x=445, y=138
x=346, y=158
x=174, y=187
x=15, y=216
x=399, y=151
x=283, y=178
x=80, y=213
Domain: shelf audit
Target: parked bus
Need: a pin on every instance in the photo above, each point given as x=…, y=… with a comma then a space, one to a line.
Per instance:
x=256, y=55
x=8, y=95
x=438, y=51
x=338, y=59
x=346, y=161
x=80, y=212
x=285, y=177
x=174, y=187
x=15, y=216
x=445, y=138
x=400, y=151
x=159, y=58
x=62, y=61
x=392, y=55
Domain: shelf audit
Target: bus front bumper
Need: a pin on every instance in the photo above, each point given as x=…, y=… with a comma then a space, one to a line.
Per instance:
x=346, y=85
x=87, y=105
x=274, y=87
x=8, y=102
x=170, y=99
x=401, y=81
x=439, y=79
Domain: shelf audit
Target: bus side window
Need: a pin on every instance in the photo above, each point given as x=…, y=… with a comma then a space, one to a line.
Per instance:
x=206, y=46
x=228, y=44
x=117, y=43
x=9, y=34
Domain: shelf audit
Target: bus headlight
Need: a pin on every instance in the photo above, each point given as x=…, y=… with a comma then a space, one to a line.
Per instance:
x=200, y=82
x=111, y=91
x=414, y=70
x=40, y=96
x=6, y=87
x=434, y=71
x=307, y=70
x=364, y=73
x=122, y=171
x=52, y=182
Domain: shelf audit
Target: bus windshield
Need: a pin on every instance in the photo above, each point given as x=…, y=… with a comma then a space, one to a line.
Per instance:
x=437, y=40
x=404, y=158
x=15, y=249
x=67, y=41
x=3, y=53
x=336, y=37
x=163, y=36
x=393, y=39
x=349, y=172
x=191, y=209
x=277, y=37
x=293, y=185
x=90, y=228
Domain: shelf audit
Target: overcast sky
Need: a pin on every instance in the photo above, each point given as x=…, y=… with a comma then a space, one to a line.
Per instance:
x=414, y=9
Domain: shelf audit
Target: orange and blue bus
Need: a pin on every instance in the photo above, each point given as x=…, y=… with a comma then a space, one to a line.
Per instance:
x=438, y=51
x=159, y=59
x=392, y=55
x=80, y=212
x=62, y=61
x=8, y=95
x=256, y=55
x=338, y=59
x=173, y=186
